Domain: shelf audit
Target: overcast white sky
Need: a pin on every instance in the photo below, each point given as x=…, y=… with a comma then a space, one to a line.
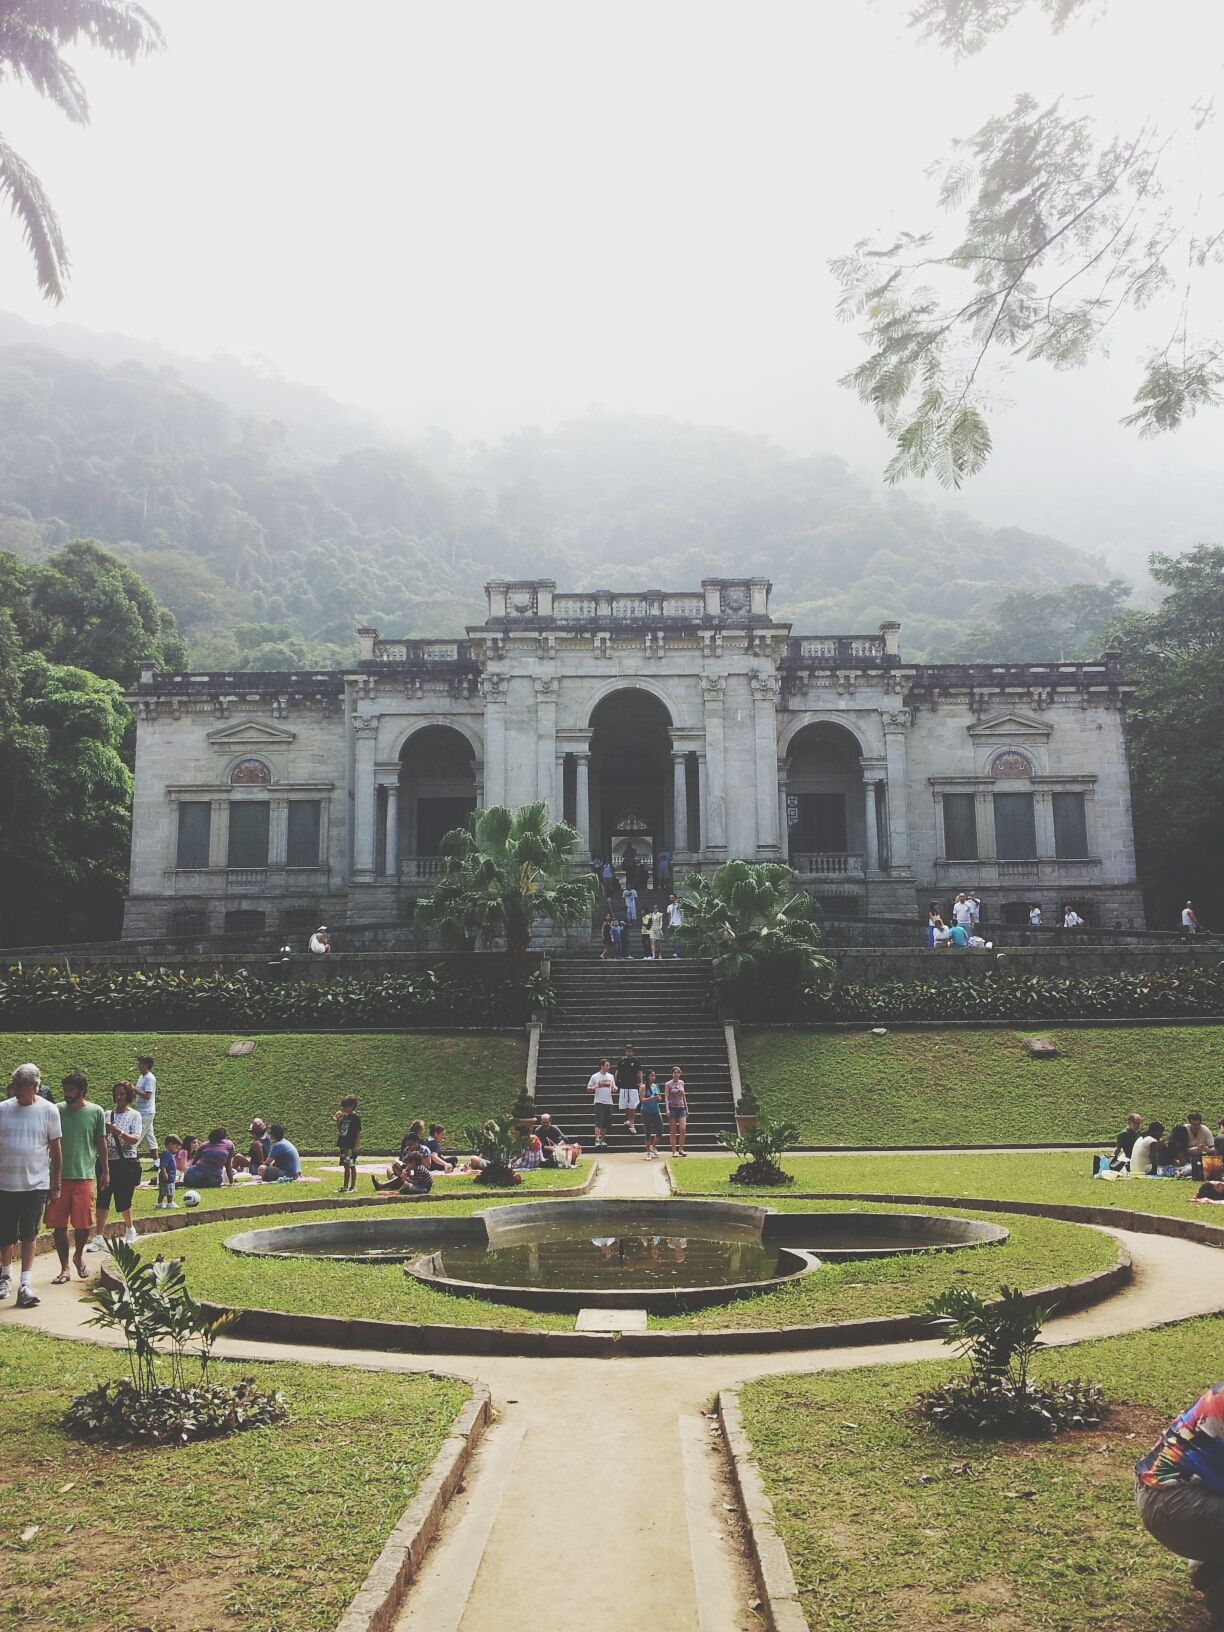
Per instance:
x=481, y=214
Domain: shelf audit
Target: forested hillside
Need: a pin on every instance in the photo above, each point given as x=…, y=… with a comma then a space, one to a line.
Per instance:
x=271, y=545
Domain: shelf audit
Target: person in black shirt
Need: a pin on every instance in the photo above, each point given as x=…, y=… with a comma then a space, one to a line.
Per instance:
x=1126, y=1142
x=628, y=1098
x=348, y=1138
x=552, y=1139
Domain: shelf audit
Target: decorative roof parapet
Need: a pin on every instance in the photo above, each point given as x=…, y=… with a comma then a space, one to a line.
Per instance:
x=534, y=603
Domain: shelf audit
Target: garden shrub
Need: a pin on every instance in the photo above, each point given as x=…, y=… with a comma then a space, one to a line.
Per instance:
x=120, y=1411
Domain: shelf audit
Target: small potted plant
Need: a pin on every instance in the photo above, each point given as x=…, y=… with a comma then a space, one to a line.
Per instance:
x=747, y=1111
x=524, y=1112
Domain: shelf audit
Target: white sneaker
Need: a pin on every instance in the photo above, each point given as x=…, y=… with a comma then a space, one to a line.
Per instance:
x=172, y=1206
x=130, y=1238
x=98, y=1244
x=157, y=1206
x=6, y=1286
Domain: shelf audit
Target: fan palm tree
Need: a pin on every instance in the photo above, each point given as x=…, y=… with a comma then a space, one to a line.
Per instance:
x=504, y=870
x=754, y=924
x=33, y=34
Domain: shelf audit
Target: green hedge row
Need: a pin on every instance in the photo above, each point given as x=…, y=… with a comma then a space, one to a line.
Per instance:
x=169, y=999
x=1003, y=997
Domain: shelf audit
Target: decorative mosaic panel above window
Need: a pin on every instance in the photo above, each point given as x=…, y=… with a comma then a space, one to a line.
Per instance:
x=250, y=773
x=1011, y=762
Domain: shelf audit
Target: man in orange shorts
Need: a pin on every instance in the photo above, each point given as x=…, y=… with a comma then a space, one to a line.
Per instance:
x=85, y=1165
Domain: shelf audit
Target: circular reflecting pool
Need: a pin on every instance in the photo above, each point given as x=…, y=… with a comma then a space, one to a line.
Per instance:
x=665, y=1256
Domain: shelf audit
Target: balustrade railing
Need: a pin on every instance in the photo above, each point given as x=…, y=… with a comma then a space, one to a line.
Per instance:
x=827, y=864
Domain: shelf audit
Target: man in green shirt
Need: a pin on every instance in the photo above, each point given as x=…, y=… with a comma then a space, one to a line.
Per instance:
x=85, y=1166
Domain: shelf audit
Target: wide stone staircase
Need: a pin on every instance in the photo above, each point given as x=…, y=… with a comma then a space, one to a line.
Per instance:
x=666, y=1009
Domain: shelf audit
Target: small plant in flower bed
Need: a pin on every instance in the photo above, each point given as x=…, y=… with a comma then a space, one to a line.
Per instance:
x=1008, y=997
x=150, y=1304
x=496, y=1142
x=998, y=1399
x=169, y=997
x=762, y=1147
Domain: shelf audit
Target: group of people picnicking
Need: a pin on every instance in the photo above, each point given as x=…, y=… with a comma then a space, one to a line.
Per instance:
x=1188, y=1150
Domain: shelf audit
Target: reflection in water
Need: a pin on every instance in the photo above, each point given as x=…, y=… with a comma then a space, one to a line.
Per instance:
x=640, y=1259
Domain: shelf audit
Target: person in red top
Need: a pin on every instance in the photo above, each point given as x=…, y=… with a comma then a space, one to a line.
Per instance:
x=1179, y=1490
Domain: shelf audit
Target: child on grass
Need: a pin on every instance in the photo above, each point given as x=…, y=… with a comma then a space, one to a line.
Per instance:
x=348, y=1138
x=168, y=1172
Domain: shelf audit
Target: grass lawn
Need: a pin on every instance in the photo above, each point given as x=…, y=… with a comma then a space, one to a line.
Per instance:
x=298, y=1079
x=267, y=1531
x=327, y=1189
x=1058, y=1176
x=979, y=1087
x=1039, y=1252
x=891, y=1524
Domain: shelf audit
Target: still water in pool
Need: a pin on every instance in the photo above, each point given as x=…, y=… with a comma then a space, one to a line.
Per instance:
x=604, y=1262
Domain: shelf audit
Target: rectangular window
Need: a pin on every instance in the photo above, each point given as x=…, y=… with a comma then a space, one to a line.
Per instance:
x=960, y=827
x=821, y=825
x=1070, y=826
x=248, y=833
x=305, y=823
x=1015, y=827
x=194, y=827
x=245, y=920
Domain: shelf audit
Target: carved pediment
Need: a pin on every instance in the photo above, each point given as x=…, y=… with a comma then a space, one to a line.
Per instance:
x=1009, y=727
x=250, y=734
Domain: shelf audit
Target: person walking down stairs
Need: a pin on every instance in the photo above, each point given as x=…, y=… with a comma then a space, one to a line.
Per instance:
x=602, y=1085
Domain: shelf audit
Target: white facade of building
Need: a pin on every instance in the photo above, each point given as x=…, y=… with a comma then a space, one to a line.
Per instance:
x=689, y=722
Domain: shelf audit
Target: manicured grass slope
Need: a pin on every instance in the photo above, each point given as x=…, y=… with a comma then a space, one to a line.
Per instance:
x=296, y=1079
x=979, y=1087
x=1003, y=1536
x=1038, y=1254
x=1057, y=1176
x=261, y=1532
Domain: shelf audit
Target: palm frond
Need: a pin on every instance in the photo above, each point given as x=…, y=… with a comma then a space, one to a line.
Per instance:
x=29, y=55
x=117, y=27
x=40, y=226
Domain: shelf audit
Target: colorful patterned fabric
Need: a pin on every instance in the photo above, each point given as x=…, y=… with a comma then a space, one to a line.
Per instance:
x=1190, y=1448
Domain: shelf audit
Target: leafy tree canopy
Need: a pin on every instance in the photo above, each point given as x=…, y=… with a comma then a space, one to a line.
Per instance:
x=1056, y=223
x=1030, y=627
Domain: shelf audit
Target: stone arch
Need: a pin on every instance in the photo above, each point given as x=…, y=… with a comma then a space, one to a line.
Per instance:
x=868, y=742
x=465, y=728
x=631, y=787
x=437, y=789
x=826, y=797
x=609, y=688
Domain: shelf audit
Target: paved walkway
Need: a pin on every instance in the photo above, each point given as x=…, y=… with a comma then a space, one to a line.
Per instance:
x=598, y=1495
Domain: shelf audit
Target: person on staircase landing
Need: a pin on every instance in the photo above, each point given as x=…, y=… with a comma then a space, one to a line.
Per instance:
x=631, y=903
x=609, y=947
x=602, y=1086
x=675, y=918
x=628, y=1097
x=657, y=930
x=652, y=1114
x=677, y=1112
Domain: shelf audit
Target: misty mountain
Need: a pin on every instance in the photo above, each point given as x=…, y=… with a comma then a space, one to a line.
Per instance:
x=272, y=521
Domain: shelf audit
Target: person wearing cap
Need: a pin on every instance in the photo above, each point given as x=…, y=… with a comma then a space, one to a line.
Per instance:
x=320, y=941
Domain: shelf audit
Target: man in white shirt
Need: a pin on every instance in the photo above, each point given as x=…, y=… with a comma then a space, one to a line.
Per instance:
x=1189, y=919
x=1034, y=916
x=962, y=912
x=630, y=904
x=602, y=1085
x=1072, y=920
x=31, y=1155
x=320, y=942
x=675, y=917
x=146, y=1102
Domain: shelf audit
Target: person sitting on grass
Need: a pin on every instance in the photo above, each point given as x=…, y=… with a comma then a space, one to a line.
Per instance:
x=1179, y=1491
x=558, y=1151
x=438, y=1161
x=411, y=1149
x=257, y=1151
x=530, y=1157
x=212, y=1164
x=1201, y=1142
x=1147, y=1153
x=283, y=1160
x=1176, y=1163
x=416, y=1179
x=185, y=1155
x=1126, y=1142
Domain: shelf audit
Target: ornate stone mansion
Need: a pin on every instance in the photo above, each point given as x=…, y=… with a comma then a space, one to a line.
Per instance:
x=690, y=722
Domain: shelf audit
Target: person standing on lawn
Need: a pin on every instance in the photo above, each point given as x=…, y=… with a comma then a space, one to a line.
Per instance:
x=1179, y=1491
x=86, y=1166
x=146, y=1101
x=601, y=1086
x=31, y=1155
x=123, y=1135
x=348, y=1138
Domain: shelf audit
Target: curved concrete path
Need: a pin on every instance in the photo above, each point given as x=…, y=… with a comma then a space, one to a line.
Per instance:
x=599, y=1496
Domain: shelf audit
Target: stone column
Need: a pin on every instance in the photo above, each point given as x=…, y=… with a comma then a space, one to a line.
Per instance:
x=714, y=799
x=391, y=837
x=680, y=835
x=365, y=735
x=218, y=834
x=582, y=802
x=278, y=833
x=765, y=730
x=546, y=746
x=783, y=813
x=872, y=769
x=1043, y=821
x=493, y=687
x=896, y=726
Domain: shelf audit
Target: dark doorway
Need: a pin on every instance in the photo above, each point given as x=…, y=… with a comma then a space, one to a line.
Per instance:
x=631, y=772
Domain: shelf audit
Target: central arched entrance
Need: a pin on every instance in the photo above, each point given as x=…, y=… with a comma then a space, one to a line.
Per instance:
x=631, y=779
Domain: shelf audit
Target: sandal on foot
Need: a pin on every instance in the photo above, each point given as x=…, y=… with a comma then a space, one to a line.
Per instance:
x=61, y=1279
